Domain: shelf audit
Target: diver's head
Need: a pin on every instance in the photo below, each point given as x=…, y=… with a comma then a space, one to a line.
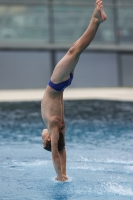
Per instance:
x=46, y=140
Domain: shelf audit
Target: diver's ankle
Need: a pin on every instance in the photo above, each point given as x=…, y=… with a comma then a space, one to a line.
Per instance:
x=95, y=20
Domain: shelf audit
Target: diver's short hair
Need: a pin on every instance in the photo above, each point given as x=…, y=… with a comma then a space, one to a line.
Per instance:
x=61, y=143
x=48, y=146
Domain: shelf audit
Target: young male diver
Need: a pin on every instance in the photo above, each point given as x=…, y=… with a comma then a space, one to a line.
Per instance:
x=52, y=106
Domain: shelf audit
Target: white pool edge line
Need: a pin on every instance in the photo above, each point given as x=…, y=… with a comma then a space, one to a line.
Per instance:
x=114, y=94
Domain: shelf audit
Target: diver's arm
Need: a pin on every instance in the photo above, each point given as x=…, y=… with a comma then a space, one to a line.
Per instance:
x=55, y=154
x=62, y=154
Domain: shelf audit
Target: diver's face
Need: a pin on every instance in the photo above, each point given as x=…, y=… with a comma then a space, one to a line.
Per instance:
x=45, y=137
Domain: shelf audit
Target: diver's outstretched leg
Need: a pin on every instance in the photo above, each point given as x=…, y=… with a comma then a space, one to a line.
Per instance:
x=67, y=64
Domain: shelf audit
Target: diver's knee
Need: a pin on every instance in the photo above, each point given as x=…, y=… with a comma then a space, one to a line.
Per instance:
x=74, y=50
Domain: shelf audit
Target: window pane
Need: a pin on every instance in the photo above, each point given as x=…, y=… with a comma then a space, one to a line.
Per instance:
x=24, y=22
x=123, y=2
x=31, y=21
x=71, y=21
x=125, y=24
x=106, y=31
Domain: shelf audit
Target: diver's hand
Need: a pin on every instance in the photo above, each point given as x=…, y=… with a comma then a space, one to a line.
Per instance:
x=64, y=178
x=58, y=179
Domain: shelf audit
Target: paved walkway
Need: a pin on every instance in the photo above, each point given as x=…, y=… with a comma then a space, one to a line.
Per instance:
x=120, y=94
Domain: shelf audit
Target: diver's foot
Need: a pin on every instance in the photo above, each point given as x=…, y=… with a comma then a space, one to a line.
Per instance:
x=99, y=13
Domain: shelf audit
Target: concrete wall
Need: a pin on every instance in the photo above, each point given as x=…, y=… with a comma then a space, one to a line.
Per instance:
x=32, y=70
x=127, y=70
x=95, y=70
x=21, y=70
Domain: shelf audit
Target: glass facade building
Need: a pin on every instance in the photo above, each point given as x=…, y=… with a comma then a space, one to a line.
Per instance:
x=60, y=21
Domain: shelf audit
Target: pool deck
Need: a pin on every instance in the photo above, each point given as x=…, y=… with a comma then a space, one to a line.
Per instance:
x=117, y=94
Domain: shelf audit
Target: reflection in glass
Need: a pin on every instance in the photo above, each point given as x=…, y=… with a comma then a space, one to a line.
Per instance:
x=70, y=22
x=65, y=22
x=24, y=22
x=125, y=24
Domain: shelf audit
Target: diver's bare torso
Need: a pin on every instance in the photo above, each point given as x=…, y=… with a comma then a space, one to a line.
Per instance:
x=52, y=107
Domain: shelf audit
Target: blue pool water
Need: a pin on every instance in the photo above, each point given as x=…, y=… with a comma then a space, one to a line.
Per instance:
x=99, y=144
